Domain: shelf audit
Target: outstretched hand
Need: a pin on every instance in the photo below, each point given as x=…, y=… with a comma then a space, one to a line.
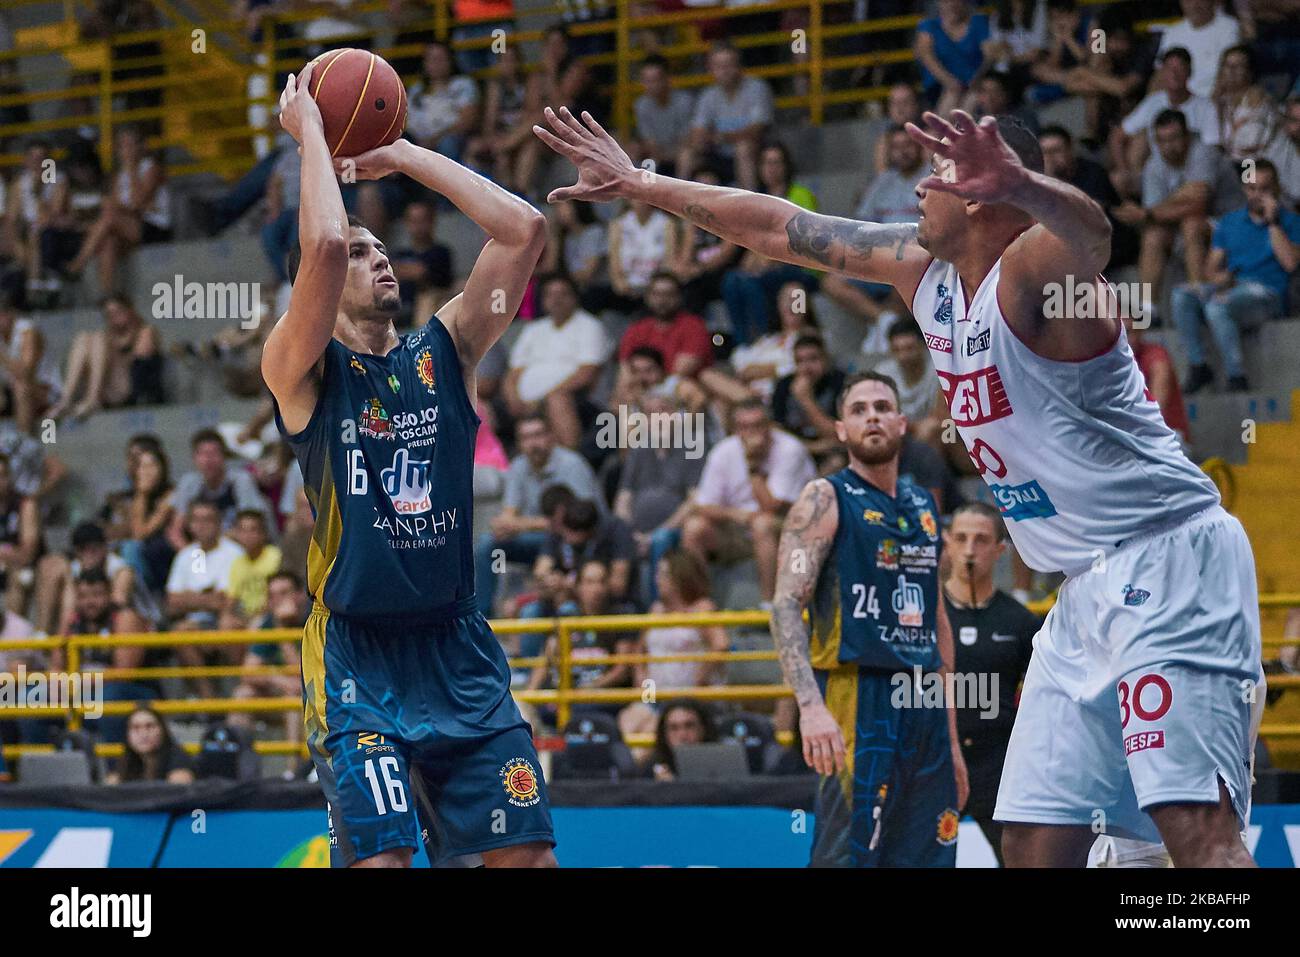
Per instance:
x=604, y=169
x=975, y=162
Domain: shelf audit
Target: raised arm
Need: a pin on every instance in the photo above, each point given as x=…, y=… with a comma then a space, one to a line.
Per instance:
x=1071, y=235
x=769, y=225
x=293, y=350
x=806, y=540
x=516, y=232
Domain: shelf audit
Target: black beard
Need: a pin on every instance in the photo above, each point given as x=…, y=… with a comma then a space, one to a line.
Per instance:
x=388, y=303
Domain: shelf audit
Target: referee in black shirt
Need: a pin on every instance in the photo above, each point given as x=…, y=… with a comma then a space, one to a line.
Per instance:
x=993, y=637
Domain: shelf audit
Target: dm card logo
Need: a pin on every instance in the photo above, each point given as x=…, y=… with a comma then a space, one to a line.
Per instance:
x=908, y=603
x=424, y=369
x=374, y=421
x=943, y=307
x=1135, y=596
x=947, y=829
x=520, y=781
x=407, y=483
x=887, y=555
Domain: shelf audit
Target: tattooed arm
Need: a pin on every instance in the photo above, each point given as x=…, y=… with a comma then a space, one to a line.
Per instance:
x=806, y=540
x=769, y=225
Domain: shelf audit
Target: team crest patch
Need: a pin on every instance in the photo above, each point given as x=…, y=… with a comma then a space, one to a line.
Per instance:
x=1135, y=596
x=943, y=308
x=887, y=554
x=947, y=830
x=929, y=525
x=424, y=369
x=374, y=421
x=520, y=781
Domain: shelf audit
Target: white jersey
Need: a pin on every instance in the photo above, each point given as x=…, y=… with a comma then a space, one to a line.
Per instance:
x=1076, y=454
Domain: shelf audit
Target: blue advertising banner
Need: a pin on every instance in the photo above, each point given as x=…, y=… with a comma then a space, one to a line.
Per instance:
x=676, y=836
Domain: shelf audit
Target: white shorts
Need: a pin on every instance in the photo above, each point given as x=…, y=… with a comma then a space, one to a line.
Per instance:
x=1145, y=685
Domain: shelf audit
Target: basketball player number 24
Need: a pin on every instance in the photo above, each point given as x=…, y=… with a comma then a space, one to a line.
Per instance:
x=396, y=794
x=867, y=598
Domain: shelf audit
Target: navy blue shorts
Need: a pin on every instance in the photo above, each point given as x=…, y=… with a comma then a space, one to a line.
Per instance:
x=415, y=736
x=895, y=803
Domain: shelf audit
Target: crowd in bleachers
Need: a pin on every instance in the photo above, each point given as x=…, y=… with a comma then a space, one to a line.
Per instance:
x=1190, y=139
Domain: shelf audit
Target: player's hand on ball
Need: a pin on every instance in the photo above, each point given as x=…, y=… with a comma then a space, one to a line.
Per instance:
x=603, y=167
x=373, y=164
x=975, y=162
x=298, y=109
x=823, y=742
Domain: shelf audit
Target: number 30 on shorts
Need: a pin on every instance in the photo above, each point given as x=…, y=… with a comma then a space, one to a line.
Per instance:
x=1147, y=690
x=388, y=768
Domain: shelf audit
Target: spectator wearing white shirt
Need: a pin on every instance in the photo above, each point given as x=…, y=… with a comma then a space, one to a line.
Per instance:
x=197, y=587
x=555, y=361
x=1131, y=143
x=1284, y=152
x=750, y=480
x=641, y=242
x=1204, y=32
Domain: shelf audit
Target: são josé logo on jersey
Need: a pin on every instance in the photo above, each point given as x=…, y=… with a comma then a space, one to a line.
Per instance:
x=407, y=484
x=424, y=369
x=1135, y=596
x=520, y=781
x=908, y=603
x=943, y=305
x=374, y=421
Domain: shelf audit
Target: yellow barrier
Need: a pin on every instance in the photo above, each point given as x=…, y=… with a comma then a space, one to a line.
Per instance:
x=236, y=58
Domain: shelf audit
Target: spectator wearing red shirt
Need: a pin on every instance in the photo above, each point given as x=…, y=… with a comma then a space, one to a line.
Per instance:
x=679, y=336
x=1162, y=383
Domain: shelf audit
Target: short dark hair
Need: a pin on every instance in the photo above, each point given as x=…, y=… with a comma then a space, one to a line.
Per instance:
x=749, y=405
x=294, y=259
x=906, y=326
x=202, y=503
x=1181, y=53
x=648, y=352
x=859, y=377
x=1169, y=117
x=987, y=511
x=1263, y=165
x=1054, y=130
x=1022, y=141
x=208, y=435
x=88, y=533
x=255, y=514
x=554, y=498
x=581, y=516
x=564, y=277
x=1004, y=80
x=294, y=578
x=808, y=339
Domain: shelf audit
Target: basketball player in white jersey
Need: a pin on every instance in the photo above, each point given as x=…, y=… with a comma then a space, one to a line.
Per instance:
x=1136, y=710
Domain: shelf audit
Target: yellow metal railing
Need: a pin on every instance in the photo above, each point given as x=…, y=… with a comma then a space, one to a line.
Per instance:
x=233, y=56
x=563, y=697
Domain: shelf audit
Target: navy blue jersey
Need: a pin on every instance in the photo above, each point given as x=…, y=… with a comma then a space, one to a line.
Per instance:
x=388, y=463
x=876, y=603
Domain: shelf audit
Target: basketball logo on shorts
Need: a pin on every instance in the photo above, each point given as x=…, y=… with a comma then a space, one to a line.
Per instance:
x=947, y=827
x=520, y=782
x=1135, y=596
x=424, y=369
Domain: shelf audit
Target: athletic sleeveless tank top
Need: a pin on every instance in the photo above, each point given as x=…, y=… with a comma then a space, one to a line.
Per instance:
x=387, y=460
x=876, y=601
x=1077, y=454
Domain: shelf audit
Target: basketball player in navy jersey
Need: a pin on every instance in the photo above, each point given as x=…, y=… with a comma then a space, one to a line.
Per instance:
x=406, y=691
x=1139, y=705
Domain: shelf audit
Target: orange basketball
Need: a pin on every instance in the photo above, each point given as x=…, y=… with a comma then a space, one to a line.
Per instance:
x=361, y=100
